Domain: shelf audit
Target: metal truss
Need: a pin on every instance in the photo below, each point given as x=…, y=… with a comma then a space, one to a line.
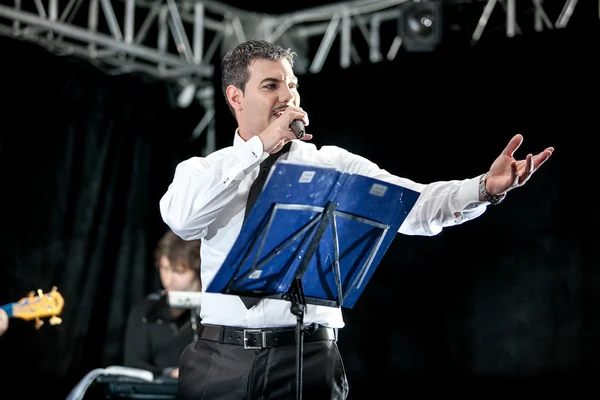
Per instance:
x=541, y=18
x=182, y=40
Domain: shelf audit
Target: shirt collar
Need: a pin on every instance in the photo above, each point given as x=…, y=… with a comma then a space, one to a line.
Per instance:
x=237, y=139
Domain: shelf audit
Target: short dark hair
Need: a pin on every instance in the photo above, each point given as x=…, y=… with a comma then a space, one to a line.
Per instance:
x=234, y=66
x=178, y=250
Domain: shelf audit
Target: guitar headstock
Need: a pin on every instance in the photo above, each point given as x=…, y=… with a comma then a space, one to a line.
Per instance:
x=49, y=304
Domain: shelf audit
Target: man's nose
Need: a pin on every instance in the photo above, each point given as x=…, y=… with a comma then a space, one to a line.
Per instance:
x=286, y=95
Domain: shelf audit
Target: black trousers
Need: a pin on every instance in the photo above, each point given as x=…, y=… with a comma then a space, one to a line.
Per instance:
x=210, y=371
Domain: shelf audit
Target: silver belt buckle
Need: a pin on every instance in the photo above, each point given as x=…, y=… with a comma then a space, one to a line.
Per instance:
x=263, y=336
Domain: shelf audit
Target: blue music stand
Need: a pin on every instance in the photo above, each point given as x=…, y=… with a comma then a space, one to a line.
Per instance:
x=314, y=236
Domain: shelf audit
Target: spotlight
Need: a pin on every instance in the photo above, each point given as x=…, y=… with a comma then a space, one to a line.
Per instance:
x=421, y=24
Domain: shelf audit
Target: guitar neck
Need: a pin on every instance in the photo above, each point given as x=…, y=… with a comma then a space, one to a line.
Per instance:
x=9, y=309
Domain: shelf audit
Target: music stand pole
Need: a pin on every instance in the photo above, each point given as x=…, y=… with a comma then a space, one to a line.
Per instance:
x=296, y=293
x=298, y=308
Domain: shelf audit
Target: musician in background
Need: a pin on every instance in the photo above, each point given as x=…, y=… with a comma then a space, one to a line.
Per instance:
x=3, y=322
x=156, y=334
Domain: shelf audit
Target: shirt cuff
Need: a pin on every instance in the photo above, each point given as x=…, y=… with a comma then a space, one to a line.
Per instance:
x=468, y=194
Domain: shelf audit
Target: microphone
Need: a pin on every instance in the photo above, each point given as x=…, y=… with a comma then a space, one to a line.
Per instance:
x=297, y=126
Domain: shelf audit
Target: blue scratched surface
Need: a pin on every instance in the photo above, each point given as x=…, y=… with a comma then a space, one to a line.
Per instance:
x=279, y=251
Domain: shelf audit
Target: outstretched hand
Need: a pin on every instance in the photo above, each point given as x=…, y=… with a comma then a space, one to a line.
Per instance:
x=3, y=321
x=506, y=173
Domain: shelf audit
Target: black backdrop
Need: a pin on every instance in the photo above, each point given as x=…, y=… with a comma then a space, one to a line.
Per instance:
x=84, y=158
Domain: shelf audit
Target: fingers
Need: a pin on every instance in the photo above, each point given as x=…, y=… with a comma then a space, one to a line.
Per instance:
x=514, y=166
x=513, y=145
x=532, y=163
x=541, y=158
x=529, y=168
x=520, y=170
x=292, y=114
x=279, y=130
x=295, y=113
x=3, y=321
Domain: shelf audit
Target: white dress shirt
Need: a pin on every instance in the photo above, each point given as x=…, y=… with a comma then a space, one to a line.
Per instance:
x=207, y=200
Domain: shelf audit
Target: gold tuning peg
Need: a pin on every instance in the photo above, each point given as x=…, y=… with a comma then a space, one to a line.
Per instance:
x=54, y=288
x=40, y=293
x=31, y=294
x=38, y=323
x=55, y=320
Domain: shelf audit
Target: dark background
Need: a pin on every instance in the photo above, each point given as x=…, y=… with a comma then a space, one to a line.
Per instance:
x=511, y=297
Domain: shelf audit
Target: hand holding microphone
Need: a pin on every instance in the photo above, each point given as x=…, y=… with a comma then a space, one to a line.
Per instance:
x=297, y=126
x=299, y=119
x=289, y=124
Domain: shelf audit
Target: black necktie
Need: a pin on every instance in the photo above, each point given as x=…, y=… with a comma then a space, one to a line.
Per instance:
x=255, y=190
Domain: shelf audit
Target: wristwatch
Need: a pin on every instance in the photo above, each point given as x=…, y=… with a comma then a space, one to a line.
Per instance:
x=493, y=200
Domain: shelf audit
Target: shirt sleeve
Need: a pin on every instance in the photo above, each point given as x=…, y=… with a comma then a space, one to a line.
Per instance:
x=440, y=204
x=202, y=186
x=443, y=204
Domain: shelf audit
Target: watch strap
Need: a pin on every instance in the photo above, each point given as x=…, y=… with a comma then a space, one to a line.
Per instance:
x=493, y=200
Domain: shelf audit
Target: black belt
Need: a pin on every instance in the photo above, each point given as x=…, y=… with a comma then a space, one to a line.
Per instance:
x=265, y=337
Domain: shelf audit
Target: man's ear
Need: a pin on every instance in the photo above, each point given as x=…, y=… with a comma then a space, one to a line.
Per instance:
x=234, y=97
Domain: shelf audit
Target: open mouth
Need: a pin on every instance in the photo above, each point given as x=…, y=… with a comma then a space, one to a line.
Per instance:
x=277, y=113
